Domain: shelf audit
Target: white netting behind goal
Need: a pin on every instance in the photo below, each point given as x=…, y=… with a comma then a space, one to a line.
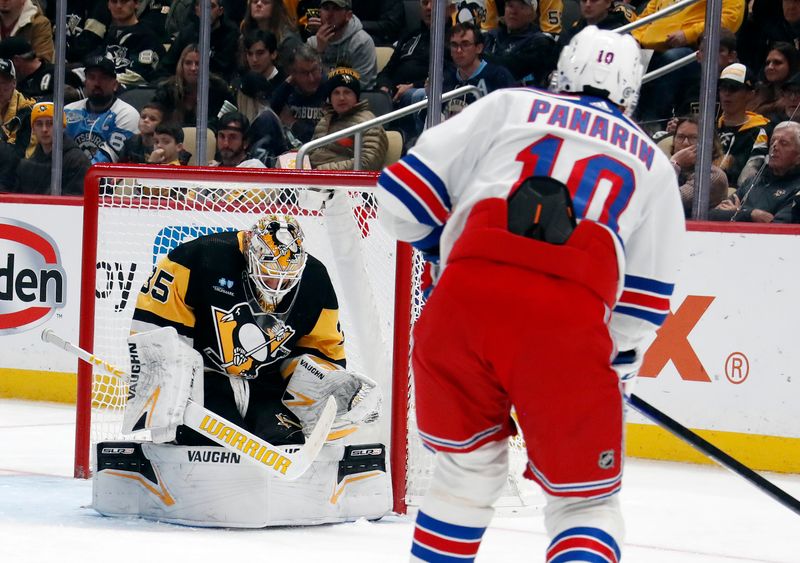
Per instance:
x=140, y=220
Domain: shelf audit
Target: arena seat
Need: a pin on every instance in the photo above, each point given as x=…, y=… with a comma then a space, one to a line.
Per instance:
x=379, y=102
x=383, y=55
x=190, y=144
x=395, y=150
x=137, y=97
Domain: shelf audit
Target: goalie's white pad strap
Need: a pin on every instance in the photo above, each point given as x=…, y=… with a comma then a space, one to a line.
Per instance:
x=163, y=369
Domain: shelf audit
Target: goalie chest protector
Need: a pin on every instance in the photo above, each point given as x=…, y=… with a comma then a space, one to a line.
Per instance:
x=199, y=288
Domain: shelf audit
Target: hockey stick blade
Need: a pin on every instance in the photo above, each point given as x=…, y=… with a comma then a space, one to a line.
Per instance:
x=725, y=460
x=284, y=462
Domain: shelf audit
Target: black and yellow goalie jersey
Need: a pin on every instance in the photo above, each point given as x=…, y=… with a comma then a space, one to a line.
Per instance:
x=200, y=289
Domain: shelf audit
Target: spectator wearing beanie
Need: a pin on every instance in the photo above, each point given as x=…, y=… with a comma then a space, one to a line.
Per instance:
x=345, y=109
x=33, y=173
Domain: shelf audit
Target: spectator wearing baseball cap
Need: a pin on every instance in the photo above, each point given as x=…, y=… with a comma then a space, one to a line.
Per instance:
x=232, y=142
x=345, y=109
x=341, y=36
x=14, y=112
x=33, y=173
x=36, y=77
x=743, y=133
x=101, y=122
x=24, y=18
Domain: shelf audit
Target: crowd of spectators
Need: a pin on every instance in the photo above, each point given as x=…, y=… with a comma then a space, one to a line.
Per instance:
x=284, y=72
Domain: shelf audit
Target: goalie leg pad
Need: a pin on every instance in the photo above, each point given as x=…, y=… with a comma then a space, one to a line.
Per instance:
x=210, y=486
x=164, y=370
x=358, y=397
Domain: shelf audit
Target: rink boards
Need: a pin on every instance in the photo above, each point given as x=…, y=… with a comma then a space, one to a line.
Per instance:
x=725, y=363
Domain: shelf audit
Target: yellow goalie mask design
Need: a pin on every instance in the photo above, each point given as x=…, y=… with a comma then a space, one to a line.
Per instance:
x=275, y=257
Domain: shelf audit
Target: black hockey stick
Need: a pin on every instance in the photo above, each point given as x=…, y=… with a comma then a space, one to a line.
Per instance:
x=709, y=449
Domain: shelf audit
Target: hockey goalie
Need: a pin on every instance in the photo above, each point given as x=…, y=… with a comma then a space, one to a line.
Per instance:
x=238, y=375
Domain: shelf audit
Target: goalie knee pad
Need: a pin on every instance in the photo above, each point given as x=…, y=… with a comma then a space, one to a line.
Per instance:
x=165, y=371
x=358, y=398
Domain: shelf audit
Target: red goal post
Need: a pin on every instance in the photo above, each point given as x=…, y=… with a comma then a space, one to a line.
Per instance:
x=135, y=214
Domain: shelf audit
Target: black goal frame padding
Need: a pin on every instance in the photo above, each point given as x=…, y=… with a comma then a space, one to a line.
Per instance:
x=710, y=450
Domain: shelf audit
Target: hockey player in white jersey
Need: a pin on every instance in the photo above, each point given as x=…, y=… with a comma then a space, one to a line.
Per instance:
x=530, y=310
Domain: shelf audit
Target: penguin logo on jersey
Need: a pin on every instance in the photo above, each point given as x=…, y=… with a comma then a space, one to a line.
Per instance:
x=244, y=345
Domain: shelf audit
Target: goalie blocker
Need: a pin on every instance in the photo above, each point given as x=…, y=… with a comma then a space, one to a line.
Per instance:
x=211, y=486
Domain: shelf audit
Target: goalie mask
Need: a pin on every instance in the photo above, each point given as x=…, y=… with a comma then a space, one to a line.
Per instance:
x=275, y=258
x=601, y=63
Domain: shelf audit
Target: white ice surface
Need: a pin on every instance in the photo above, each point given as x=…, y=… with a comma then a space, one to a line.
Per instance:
x=674, y=513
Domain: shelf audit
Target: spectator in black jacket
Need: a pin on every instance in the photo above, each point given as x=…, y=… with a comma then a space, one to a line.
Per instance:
x=35, y=77
x=768, y=197
x=255, y=86
x=132, y=44
x=9, y=160
x=519, y=45
x=768, y=22
x=178, y=93
x=224, y=37
x=382, y=19
x=605, y=14
x=403, y=77
x=88, y=22
x=33, y=174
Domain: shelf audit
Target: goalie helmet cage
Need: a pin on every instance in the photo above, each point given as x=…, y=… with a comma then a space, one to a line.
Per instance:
x=133, y=215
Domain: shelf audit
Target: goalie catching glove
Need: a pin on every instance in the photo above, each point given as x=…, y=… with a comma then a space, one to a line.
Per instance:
x=358, y=398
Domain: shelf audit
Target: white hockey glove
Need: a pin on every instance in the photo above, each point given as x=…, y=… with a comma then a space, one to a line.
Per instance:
x=164, y=370
x=627, y=364
x=358, y=398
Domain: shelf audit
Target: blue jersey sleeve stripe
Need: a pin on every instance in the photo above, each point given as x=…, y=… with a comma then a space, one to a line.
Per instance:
x=431, y=177
x=655, y=318
x=648, y=284
x=420, y=213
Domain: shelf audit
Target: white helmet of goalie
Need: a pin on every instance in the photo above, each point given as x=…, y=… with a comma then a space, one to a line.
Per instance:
x=275, y=257
x=601, y=63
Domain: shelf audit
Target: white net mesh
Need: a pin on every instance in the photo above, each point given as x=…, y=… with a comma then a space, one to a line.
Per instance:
x=139, y=221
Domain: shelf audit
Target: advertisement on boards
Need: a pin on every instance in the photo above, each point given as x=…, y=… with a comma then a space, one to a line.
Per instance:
x=40, y=259
x=726, y=357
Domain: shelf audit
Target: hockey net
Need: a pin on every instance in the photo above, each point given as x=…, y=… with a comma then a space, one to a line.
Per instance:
x=135, y=215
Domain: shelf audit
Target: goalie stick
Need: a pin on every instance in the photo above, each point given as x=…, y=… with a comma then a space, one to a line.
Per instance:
x=281, y=461
x=725, y=460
